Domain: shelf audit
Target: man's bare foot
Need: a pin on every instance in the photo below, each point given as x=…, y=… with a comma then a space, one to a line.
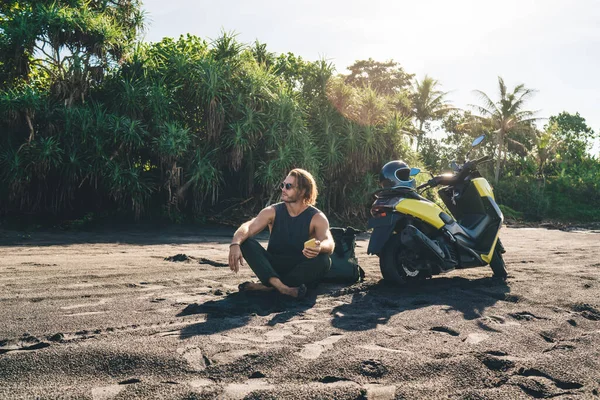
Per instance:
x=254, y=286
x=296, y=292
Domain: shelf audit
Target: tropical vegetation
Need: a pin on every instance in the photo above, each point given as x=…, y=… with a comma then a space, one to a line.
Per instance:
x=95, y=122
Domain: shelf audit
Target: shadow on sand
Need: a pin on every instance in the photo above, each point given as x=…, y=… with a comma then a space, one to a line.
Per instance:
x=376, y=303
x=236, y=309
x=372, y=303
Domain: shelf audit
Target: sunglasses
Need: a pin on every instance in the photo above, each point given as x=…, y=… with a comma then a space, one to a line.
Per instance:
x=287, y=186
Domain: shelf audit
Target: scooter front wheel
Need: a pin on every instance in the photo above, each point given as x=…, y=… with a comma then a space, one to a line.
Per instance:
x=498, y=266
x=394, y=267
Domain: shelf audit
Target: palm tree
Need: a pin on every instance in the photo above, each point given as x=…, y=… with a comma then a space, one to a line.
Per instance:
x=428, y=104
x=262, y=56
x=546, y=142
x=505, y=115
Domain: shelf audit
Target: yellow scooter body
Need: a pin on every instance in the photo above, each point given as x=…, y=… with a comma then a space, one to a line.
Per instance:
x=424, y=210
x=429, y=212
x=483, y=187
x=485, y=190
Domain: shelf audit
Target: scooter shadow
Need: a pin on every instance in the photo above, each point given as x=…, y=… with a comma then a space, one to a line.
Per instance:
x=236, y=310
x=375, y=304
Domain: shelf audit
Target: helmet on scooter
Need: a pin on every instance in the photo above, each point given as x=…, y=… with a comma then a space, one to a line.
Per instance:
x=396, y=173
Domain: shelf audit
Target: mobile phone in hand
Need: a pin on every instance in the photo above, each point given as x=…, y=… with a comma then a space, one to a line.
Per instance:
x=310, y=243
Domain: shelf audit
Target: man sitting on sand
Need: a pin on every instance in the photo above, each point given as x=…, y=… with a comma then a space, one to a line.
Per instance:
x=288, y=264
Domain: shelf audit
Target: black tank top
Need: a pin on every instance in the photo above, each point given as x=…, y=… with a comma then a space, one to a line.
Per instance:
x=289, y=233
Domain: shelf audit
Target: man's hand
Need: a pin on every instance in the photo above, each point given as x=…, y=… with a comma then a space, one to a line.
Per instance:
x=235, y=258
x=312, y=252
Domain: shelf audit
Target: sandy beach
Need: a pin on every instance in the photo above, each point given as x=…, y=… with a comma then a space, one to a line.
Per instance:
x=105, y=315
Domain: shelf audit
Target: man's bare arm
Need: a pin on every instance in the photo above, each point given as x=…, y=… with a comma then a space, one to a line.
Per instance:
x=323, y=234
x=256, y=225
x=248, y=229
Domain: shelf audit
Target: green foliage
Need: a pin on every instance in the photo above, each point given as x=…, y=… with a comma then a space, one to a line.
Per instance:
x=505, y=117
x=97, y=124
x=385, y=78
x=429, y=104
x=73, y=41
x=566, y=197
x=510, y=214
x=575, y=197
x=573, y=137
x=524, y=194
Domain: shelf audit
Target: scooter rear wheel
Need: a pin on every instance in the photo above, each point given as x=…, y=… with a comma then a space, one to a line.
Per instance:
x=390, y=262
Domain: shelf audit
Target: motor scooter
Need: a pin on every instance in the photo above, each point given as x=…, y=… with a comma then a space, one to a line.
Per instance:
x=415, y=238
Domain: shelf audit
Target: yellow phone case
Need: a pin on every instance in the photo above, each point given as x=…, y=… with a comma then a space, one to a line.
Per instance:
x=310, y=243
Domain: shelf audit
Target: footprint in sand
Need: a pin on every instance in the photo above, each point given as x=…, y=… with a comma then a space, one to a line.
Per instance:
x=496, y=363
x=277, y=335
x=373, y=368
x=475, y=338
x=498, y=320
x=312, y=351
x=560, y=347
x=74, y=306
x=273, y=336
x=201, y=383
x=227, y=357
x=445, y=329
x=84, y=305
x=587, y=311
x=241, y=390
x=226, y=339
x=376, y=347
x=525, y=316
x=307, y=326
x=106, y=392
x=549, y=337
x=84, y=313
x=536, y=373
x=380, y=392
x=196, y=358
x=157, y=300
x=17, y=349
x=129, y=381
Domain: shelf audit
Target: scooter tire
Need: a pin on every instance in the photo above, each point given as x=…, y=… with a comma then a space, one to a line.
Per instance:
x=388, y=262
x=498, y=266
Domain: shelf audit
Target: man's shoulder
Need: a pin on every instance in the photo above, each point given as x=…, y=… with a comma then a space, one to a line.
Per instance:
x=274, y=208
x=319, y=216
x=316, y=211
x=268, y=211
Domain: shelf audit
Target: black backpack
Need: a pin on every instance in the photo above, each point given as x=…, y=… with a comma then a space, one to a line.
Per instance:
x=344, y=265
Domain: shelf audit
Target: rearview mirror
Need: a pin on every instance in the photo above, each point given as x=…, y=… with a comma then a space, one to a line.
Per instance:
x=477, y=140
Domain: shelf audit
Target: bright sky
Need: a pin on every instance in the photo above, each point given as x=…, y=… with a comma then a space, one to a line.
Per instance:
x=552, y=46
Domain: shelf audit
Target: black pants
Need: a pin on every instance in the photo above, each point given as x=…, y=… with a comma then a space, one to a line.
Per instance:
x=291, y=270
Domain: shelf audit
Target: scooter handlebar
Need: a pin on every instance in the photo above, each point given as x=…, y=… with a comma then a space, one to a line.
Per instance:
x=482, y=160
x=433, y=182
x=449, y=180
x=424, y=185
x=469, y=165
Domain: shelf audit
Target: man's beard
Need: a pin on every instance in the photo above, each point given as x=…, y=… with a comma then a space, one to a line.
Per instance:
x=290, y=199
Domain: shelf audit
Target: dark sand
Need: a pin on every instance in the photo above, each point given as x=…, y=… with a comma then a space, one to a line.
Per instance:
x=104, y=316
